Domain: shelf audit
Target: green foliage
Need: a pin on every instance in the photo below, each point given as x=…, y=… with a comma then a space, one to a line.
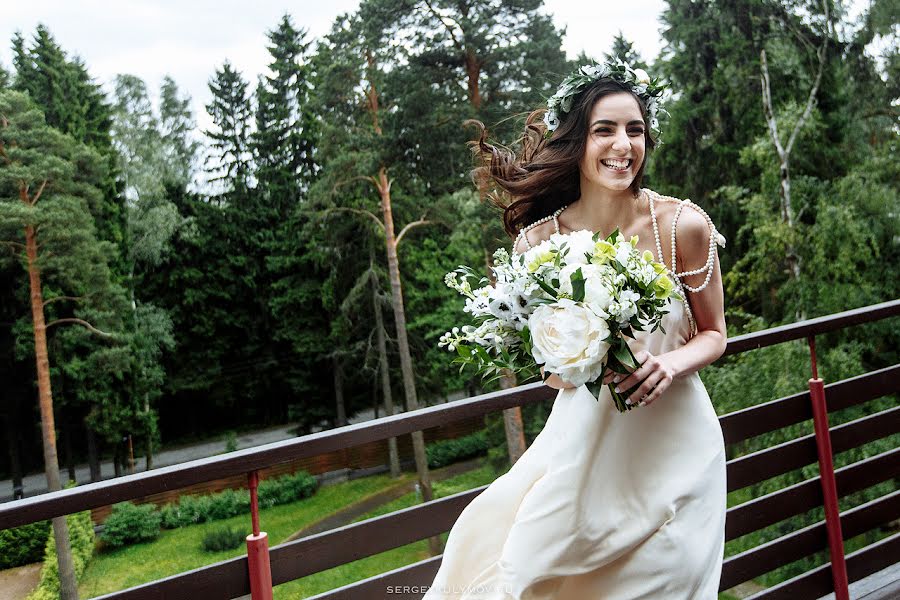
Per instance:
x=23, y=545
x=446, y=452
x=81, y=537
x=228, y=503
x=231, y=442
x=222, y=538
x=286, y=488
x=130, y=524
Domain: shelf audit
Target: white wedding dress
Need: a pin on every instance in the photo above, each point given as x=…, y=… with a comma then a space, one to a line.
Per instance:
x=603, y=505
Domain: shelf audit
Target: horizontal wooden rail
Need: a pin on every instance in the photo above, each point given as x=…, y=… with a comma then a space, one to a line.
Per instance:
x=103, y=493
x=790, y=410
x=794, y=454
x=806, y=541
x=803, y=329
x=816, y=583
x=798, y=498
x=407, y=583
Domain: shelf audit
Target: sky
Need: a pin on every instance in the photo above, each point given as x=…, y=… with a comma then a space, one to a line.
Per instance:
x=190, y=39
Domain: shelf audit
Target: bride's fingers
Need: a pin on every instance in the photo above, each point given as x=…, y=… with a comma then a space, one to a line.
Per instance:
x=613, y=377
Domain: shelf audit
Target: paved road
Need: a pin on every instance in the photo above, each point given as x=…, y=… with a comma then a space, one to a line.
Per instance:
x=36, y=483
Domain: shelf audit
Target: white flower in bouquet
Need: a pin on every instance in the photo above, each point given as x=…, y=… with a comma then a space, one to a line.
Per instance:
x=569, y=340
x=578, y=243
x=598, y=293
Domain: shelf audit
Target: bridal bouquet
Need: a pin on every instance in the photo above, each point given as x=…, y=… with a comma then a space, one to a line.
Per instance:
x=567, y=305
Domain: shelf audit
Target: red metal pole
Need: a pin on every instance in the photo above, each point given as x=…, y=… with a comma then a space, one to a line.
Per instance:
x=829, y=485
x=258, y=549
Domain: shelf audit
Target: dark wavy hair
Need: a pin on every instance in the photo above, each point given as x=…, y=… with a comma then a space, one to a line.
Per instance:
x=544, y=175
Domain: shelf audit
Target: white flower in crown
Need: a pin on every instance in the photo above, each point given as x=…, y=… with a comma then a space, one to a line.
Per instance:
x=551, y=120
x=641, y=77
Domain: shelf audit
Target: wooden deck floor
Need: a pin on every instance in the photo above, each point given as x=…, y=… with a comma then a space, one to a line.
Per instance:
x=883, y=585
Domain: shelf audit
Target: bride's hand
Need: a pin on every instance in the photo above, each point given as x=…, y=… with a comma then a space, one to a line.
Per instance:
x=655, y=375
x=555, y=381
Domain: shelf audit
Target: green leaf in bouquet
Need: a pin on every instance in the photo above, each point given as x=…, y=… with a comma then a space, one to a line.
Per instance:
x=464, y=351
x=624, y=356
x=544, y=286
x=627, y=331
x=483, y=355
x=577, y=279
x=636, y=323
x=612, y=237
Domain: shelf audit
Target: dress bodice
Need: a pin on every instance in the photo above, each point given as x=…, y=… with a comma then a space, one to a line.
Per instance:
x=679, y=312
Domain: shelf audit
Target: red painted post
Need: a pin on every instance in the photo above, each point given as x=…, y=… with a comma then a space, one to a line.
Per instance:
x=829, y=485
x=258, y=549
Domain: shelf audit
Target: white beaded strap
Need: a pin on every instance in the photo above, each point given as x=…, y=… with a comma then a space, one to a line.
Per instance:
x=524, y=230
x=714, y=238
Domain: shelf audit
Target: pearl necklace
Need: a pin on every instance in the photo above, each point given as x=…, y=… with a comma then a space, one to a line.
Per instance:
x=553, y=217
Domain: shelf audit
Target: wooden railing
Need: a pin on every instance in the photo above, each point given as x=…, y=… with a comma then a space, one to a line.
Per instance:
x=231, y=578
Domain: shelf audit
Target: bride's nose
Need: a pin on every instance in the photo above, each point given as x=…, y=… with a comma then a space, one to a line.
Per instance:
x=620, y=142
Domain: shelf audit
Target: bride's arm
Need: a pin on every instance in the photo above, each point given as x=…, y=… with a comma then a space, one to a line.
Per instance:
x=657, y=372
x=707, y=305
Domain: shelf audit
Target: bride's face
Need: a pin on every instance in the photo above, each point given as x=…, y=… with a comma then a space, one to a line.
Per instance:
x=615, y=133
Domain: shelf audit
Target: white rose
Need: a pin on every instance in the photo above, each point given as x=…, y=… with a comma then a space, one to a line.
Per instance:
x=579, y=243
x=597, y=293
x=598, y=296
x=568, y=339
x=641, y=77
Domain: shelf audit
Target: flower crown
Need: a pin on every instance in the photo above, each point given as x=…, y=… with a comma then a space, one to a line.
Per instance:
x=651, y=91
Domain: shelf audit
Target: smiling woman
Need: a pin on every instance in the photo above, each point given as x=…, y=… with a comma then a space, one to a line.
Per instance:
x=604, y=504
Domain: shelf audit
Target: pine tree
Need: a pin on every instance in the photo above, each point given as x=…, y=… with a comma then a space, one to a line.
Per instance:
x=45, y=190
x=625, y=50
x=176, y=124
x=285, y=135
x=230, y=158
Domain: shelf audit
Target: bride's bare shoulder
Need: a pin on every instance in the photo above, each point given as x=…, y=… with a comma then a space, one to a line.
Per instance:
x=535, y=234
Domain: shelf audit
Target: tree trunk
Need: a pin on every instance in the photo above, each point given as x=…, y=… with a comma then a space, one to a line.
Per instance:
x=68, y=587
x=473, y=72
x=393, y=453
x=15, y=457
x=340, y=409
x=66, y=430
x=149, y=440
x=93, y=455
x=409, y=382
x=512, y=423
x=512, y=417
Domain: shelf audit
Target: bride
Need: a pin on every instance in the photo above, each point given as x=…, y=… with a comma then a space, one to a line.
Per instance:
x=606, y=505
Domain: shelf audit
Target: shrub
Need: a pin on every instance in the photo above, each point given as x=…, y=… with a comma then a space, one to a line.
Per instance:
x=222, y=538
x=228, y=503
x=446, y=452
x=81, y=538
x=23, y=545
x=129, y=523
x=286, y=488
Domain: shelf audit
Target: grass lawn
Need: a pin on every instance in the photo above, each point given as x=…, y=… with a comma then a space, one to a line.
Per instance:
x=386, y=561
x=178, y=550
